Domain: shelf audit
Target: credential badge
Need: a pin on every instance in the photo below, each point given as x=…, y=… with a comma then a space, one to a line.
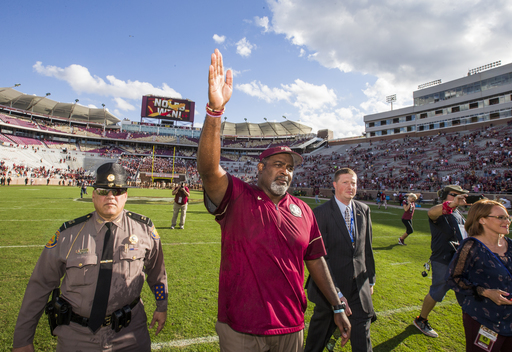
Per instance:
x=111, y=177
x=295, y=210
x=133, y=239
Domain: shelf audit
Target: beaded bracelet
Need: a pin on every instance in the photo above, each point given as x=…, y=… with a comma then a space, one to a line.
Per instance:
x=214, y=113
x=447, y=210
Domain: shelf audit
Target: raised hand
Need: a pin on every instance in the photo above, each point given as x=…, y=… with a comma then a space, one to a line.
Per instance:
x=219, y=91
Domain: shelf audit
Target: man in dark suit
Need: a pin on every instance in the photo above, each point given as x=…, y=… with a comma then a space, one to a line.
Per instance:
x=346, y=229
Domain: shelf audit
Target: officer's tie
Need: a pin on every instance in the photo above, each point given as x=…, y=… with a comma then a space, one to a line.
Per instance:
x=348, y=222
x=100, y=302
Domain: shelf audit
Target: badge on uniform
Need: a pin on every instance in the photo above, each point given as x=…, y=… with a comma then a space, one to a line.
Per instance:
x=295, y=210
x=133, y=239
x=53, y=241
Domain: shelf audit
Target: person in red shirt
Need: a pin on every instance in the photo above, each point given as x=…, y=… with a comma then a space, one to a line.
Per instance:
x=383, y=200
x=181, y=194
x=267, y=235
x=409, y=207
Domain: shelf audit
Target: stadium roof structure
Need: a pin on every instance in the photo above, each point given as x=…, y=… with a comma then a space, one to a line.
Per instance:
x=266, y=129
x=44, y=106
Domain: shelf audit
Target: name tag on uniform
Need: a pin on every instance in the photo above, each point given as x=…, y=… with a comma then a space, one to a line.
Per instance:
x=486, y=338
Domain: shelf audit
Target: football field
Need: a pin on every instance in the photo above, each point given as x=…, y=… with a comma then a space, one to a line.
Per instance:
x=29, y=216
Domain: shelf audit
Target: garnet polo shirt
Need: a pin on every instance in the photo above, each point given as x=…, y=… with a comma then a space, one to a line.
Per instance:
x=264, y=246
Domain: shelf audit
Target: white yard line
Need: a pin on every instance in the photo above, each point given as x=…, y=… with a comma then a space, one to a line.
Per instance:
x=184, y=343
x=212, y=339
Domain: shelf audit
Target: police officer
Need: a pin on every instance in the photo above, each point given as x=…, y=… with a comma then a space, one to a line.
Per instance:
x=104, y=258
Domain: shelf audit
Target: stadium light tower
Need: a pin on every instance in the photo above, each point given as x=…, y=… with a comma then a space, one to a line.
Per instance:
x=104, y=119
x=273, y=129
x=391, y=99
x=14, y=86
x=32, y=104
x=71, y=112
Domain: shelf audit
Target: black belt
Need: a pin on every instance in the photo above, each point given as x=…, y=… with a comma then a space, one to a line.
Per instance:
x=75, y=318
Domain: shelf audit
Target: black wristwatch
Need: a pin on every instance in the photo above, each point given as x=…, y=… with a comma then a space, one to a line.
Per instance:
x=340, y=308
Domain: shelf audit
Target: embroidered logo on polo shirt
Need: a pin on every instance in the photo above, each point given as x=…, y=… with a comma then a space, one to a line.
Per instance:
x=295, y=210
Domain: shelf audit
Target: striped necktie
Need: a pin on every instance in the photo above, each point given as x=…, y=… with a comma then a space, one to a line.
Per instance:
x=348, y=222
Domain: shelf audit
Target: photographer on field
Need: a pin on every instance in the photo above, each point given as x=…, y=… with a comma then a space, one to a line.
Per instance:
x=447, y=230
x=181, y=194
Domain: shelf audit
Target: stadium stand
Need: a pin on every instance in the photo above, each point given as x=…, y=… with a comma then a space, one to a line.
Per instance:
x=477, y=157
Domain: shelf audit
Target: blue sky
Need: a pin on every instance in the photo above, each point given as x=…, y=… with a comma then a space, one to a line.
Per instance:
x=324, y=63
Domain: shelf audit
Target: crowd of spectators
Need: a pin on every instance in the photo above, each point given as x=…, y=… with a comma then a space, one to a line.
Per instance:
x=479, y=160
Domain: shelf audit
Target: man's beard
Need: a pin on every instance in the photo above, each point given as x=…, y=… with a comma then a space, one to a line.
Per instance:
x=278, y=190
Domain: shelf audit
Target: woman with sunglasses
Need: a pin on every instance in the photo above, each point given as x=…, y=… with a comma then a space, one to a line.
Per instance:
x=481, y=276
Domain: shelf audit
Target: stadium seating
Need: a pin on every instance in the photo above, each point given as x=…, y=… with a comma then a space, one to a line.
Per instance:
x=479, y=159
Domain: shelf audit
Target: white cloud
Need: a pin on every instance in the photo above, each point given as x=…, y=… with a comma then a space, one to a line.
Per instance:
x=123, y=104
x=236, y=73
x=399, y=44
x=262, y=22
x=303, y=95
x=261, y=91
x=309, y=97
x=302, y=52
x=81, y=81
x=344, y=122
x=317, y=105
x=219, y=39
x=244, y=48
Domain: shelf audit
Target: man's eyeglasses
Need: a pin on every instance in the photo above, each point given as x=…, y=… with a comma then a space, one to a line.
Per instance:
x=106, y=191
x=453, y=194
x=501, y=217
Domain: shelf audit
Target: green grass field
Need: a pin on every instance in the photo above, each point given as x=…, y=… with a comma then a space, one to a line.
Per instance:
x=29, y=216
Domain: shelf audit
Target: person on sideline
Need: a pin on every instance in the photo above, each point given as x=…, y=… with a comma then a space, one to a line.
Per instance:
x=409, y=207
x=267, y=235
x=447, y=230
x=383, y=199
x=346, y=229
x=181, y=194
x=480, y=275
x=316, y=192
x=102, y=259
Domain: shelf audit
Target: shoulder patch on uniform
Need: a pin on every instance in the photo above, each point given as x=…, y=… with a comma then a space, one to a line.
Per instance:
x=140, y=218
x=154, y=233
x=74, y=222
x=53, y=241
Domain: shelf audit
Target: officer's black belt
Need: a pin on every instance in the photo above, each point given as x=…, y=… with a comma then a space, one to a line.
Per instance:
x=75, y=318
